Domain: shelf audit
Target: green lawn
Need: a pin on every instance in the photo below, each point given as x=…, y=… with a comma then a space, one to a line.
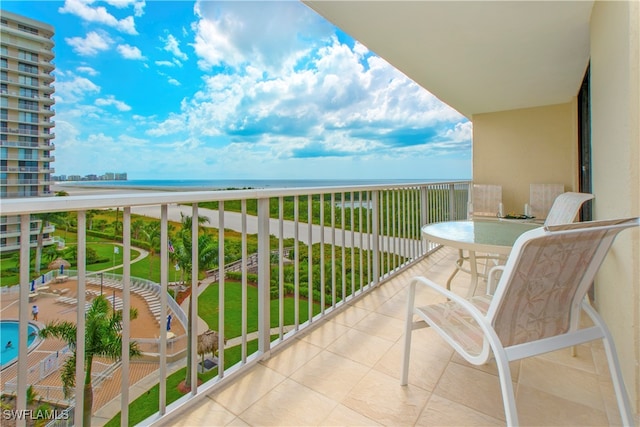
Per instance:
x=104, y=250
x=208, y=309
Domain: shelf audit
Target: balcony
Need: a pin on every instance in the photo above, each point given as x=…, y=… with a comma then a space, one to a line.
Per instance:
x=342, y=367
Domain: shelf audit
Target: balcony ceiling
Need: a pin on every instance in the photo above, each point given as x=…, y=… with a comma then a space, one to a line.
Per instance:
x=476, y=56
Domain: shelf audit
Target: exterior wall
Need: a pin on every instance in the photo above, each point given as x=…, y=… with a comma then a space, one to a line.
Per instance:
x=26, y=117
x=522, y=147
x=615, y=91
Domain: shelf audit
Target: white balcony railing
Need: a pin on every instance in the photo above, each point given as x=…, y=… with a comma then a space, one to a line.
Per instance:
x=368, y=234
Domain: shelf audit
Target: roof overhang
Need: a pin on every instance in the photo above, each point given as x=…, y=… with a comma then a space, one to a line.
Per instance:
x=476, y=56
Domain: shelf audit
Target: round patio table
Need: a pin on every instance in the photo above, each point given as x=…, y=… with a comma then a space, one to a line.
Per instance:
x=491, y=236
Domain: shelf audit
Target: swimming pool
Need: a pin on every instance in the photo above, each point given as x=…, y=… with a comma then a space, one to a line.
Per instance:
x=9, y=332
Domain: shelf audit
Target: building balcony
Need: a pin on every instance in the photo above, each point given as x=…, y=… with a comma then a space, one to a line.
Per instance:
x=27, y=169
x=336, y=360
x=8, y=182
x=21, y=157
x=25, y=144
x=20, y=194
x=44, y=39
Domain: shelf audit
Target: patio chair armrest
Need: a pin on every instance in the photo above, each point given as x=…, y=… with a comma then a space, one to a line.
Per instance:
x=491, y=278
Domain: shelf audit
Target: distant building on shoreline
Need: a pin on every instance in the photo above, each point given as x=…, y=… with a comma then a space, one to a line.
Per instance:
x=109, y=176
x=26, y=120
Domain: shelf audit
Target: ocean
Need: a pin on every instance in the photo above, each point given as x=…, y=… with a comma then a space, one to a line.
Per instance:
x=221, y=184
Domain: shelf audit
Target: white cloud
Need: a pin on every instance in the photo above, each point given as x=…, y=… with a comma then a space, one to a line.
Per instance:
x=294, y=104
x=99, y=14
x=111, y=101
x=138, y=5
x=344, y=103
x=74, y=89
x=93, y=43
x=87, y=70
x=130, y=52
x=165, y=64
x=460, y=132
x=172, y=45
x=267, y=34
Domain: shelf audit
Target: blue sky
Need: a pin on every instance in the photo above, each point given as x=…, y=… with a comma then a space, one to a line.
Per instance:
x=236, y=90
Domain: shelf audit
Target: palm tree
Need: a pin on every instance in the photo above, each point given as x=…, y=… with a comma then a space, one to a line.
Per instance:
x=137, y=227
x=207, y=256
x=102, y=339
x=90, y=214
x=151, y=233
x=50, y=254
x=44, y=220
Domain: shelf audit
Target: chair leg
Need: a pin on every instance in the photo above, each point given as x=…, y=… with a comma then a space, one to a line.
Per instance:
x=408, y=329
x=614, y=367
x=618, y=384
x=506, y=385
x=459, y=263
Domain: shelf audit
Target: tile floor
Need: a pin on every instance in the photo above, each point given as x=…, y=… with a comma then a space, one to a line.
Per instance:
x=346, y=372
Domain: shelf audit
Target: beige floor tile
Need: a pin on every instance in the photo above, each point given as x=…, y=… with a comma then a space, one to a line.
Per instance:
x=490, y=367
x=395, y=307
x=347, y=372
x=429, y=357
x=382, y=398
x=343, y=416
x=331, y=374
x=610, y=402
x=371, y=302
x=583, y=359
x=444, y=412
x=207, y=413
x=245, y=391
x=601, y=363
x=360, y=347
x=606, y=387
x=562, y=381
x=291, y=358
x=289, y=404
x=473, y=388
x=238, y=422
x=326, y=334
x=395, y=285
x=350, y=316
x=537, y=408
x=380, y=325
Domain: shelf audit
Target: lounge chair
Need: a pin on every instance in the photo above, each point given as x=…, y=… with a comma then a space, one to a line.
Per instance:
x=535, y=309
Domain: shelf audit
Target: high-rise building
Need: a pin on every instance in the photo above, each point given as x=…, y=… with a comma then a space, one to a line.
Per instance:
x=26, y=125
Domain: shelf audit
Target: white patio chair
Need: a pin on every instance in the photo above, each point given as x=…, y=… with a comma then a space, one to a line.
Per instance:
x=565, y=208
x=485, y=200
x=541, y=198
x=535, y=309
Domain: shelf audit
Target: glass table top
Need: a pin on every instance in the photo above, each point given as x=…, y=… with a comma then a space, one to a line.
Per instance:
x=496, y=235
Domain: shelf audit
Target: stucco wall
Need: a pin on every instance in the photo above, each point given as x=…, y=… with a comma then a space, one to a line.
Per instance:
x=519, y=147
x=615, y=91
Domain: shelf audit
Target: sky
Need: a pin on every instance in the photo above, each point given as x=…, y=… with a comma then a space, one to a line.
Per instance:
x=236, y=90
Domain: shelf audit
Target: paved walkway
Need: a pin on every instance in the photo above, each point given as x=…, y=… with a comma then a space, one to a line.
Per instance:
x=233, y=221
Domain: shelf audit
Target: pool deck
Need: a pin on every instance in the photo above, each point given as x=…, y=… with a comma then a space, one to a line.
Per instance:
x=51, y=309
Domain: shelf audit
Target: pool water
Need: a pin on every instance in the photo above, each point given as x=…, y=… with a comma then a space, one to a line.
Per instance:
x=9, y=332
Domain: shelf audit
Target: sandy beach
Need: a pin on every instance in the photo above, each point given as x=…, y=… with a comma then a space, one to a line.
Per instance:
x=234, y=221
x=80, y=190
